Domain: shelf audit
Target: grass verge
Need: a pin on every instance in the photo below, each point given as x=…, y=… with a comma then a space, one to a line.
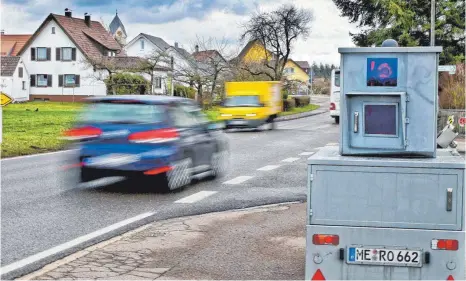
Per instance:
x=35, y=127
x=303, y=109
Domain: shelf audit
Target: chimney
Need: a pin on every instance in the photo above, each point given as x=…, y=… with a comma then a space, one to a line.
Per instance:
x=176, y=44
x=2, y=31
x=67, y=13
x=196, y=48
x=87, y=19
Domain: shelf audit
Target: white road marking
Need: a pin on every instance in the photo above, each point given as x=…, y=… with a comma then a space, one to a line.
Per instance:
x=307, y=153
x=332, y=144
x=238, y=180
x=39, y=154
x=289, y=160
x=71, y=244
x=268, y=168
x=195, y=197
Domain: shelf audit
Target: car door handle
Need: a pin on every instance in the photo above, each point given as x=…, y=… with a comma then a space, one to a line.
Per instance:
x=356, y=122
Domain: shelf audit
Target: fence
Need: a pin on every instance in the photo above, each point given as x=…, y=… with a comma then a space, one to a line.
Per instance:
x=443, y=119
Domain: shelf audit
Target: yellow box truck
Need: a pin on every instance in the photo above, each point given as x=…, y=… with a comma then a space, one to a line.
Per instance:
x=251, y=104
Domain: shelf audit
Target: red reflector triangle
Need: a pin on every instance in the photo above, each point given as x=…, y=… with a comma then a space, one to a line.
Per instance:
x=318, y=275
x=450, y=278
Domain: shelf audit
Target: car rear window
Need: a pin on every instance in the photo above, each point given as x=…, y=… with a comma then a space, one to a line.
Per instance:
x=123, y=113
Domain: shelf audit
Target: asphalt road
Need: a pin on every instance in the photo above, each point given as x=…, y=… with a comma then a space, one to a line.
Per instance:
x=43, y=208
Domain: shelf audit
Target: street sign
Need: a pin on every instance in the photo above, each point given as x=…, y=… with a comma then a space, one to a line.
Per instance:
x=451, y=120
x=5, y=99
x=462, y=121
x=450, y=68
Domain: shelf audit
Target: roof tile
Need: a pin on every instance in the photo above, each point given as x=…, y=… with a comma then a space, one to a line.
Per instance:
x=12, y=43
x=8, y=65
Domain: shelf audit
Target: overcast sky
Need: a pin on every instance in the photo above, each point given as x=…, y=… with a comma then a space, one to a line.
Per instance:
x=181, y=20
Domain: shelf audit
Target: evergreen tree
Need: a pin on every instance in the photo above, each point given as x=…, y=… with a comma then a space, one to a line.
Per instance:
x=408, y=22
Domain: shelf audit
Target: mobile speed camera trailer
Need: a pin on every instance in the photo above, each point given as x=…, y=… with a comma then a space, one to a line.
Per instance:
x=386, y=204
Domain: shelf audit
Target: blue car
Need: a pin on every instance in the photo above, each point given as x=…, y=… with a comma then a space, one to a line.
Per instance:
x=148, y=137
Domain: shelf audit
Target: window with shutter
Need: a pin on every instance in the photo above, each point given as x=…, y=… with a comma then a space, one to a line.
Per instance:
x=77, y=80
x=49, y=53
x=67, y=54
x=73, y=54
x=58, y=54
x=33, y=80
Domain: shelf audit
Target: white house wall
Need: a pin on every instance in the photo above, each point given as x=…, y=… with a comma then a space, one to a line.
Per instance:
x=20, y=94
x=6, y=85
x=89, y=85
x=134, y=49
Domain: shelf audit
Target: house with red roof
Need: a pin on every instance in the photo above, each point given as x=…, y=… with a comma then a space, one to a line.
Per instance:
x=57, y=57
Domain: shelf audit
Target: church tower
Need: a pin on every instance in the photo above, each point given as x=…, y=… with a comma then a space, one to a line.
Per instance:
x=117, y=29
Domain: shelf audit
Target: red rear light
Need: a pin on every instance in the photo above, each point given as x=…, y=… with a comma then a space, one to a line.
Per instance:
x=154, y=136
x=325, y=239
x=332, y=106
x=82, y=133
x=450, y=277
x=157, y=171
x=445, y=244
x=318, y=275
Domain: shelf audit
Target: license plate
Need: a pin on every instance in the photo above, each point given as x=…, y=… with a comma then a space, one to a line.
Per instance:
x=238, y=122
x=111, y=160
x=384, y=256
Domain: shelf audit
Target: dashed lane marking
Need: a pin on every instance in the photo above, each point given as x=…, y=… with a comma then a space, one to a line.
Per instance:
x=268, y=168
x=307, y=153
x=332, y=144
x=195, y=197
x=289, y=160
x=238, y=180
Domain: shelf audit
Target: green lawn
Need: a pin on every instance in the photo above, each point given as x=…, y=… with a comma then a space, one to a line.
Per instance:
x=26, y=131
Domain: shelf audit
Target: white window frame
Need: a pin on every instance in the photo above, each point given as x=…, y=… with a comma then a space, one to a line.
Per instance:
x=37, y=54
x=63, y=54
x=158, y=82
x=66, y=84
x=46, y=80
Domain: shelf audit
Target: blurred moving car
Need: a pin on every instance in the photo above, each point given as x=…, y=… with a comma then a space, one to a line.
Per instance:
x=251, y=104
x=147, y=137
x=335, y=95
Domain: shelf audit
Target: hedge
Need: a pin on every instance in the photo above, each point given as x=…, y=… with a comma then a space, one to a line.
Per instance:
x=289, y=104
x=301, y=101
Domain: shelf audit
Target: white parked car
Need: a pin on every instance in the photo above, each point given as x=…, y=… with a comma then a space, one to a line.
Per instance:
x=335, y=95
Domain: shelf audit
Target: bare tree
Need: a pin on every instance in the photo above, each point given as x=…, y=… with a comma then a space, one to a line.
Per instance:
x=214, y=56
x=157, y=60
x=276, y=31
x=104, y=68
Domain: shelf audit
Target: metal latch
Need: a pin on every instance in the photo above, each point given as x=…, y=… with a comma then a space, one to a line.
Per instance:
x=356, y=121
x=312, y=177
x=449, y=199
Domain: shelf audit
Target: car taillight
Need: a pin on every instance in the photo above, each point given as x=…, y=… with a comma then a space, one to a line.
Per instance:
x=325, y=239
x=154, y=136
x=318, y=275
x=332, y=106
x=82, y=133
x=445, y=244
x=450, y=277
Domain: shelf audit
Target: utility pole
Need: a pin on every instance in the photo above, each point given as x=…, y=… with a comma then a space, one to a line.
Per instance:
x=432, y=22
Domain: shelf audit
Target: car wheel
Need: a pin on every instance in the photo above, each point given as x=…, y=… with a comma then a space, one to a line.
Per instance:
x=219, y=163
x=180, y=175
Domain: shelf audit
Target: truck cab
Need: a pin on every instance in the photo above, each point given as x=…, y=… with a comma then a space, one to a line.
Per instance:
x=251, y=104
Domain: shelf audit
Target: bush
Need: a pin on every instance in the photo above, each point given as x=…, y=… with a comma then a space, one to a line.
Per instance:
x=127, y=84
x=289, y=104
x=183, y=91
x=452, y=94
x=301, y=101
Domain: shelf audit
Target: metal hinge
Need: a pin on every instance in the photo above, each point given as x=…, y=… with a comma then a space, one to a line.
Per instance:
x=407, y=97
x=310, y=212
x=312, y=177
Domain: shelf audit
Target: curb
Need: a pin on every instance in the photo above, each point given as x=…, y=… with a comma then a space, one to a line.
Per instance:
x=300, y=115
x=87, y=250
